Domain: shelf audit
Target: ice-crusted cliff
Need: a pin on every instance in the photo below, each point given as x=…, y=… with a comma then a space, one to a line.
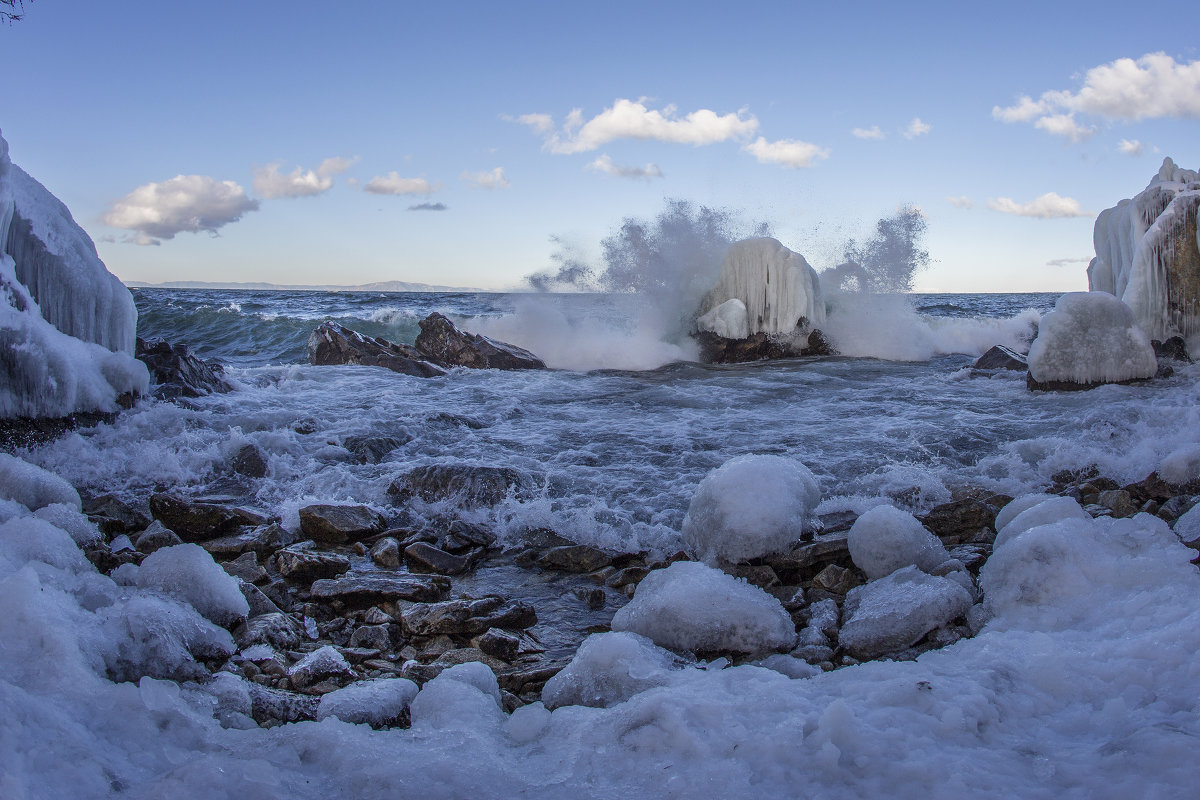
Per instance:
x=67, y=325
x=763, y=288
x=1148, y=254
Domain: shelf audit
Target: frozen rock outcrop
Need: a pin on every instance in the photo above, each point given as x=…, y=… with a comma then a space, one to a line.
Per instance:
x=1088, y=339
x=886, y=539
x=895, y=612
x=609, y=668
x=775, y=286
x=1148, y=254
x=66, y=324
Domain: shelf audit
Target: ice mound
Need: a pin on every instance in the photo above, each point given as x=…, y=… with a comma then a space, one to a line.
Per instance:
x=775, y=286
x=1148, y=254
x=1187, y=527
x=750, y=506
x=159, y=637
x=894, y=612
x=1090, y=338
x=375, y=702
x=1019, y=504
x=1052, y=509
x=609, y=668
x=32, y=486
x=886, y=539
x=188, y=572
x=463, y=697
x=730, y=320
x=66, y=324
x=692, y=607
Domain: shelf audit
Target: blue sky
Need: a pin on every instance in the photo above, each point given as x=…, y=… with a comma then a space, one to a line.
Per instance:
x=751, y=106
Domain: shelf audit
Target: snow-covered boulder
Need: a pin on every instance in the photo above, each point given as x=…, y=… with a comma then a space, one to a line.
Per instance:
x=1088, y=339
x=377, y=703
x=32, y=486
x=66, y=324
x=893, y=613
x=1148, y=254
x=1018, y=504
x=776, y=288
x=750, y=506
x=729, y=320
x=188, y=572
x=1050, y=510
x=886, y=539
x=609, y=668
x=691, y=606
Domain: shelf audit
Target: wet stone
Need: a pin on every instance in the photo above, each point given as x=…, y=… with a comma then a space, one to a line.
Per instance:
x=258, y=601
x=373, y=449
x=263, y=541
x=627, y=576
x=199, y=521
x=960, y=520
x=339, y=524
x=372, y=589
x=372, y=636
x=760, y=575
x=465, y=536
x=114, y=516
x=836, y=580
x=386, y=553
x=498, y=644
x=468, y=617
x=301, y=564
x=247, y=568
x=592, y=596
x=276, y=630
x=156, y=537
x=250, y=461
x=1119, y=502
x=470, y=486
x=424, y=557
x=574, y=558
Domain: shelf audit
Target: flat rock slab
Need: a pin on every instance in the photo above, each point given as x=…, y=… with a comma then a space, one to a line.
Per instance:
x=339, y=524
x=574, y=558
x=262, y=541
x=371, y=589
x=1001, y=357
x=468, y=617
x=199, y=521
x=300, y=564
x=424, y=557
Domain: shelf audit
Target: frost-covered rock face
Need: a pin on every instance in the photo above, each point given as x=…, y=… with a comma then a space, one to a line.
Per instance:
x=750, y=506
x=690, y=606
x=609, y=668
x=1088, y=339
x=886, y=539
x=1148, y=254
x=66, y=324
x=775, y=286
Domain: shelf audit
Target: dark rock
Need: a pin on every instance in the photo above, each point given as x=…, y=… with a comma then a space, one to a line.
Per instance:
x=155, y=537
x=113, y=516
x=301, y=564
x=318, y=665
x=363, y=590
x=247, y=568
x=372, y=449
x=198, y=521
x=1173, y=349
x=465, y=536
x=386, y=553
x=811, y=557
x=499, y=644
x=332, y=344
x=960, y=520
x=468, y=617
x=1001, y=357
x=250, y=461
x=592, y=596
x=470, y=486
x=263, y=541
x=836, y=580
x=542, y=538
x=445, y=344
x=105, y=560
x=375, y=637
x=627, y=576
x=716, y=349
x=446, y=419
x=1119, y=502
x=339, y=524
x=529, y=678
x=276, y=630
x=424, y=557
x=276, y=706
x=1070, y=386
x=1151, y=487
x=760, y=575
x=574, y=558
x=259, y=603
x=177, y=373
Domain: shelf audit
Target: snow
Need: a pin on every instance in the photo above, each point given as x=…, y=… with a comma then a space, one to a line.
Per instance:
x=34, y=487
x=1187, y=527
x=188, y=572
x=66, y=324
x=894, y=612
x=1141, y=243
x=372, y=702
x=320, y=663
x=690, y=606
x=462, y=697
x=1019, y=504
x=609, y=668
x=1054, y=509
x=730, y=320
x=1090, y=337
x=886, y=539
x=750, y=506
x=775, y=285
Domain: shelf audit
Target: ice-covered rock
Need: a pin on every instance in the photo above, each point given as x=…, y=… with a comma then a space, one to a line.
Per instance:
x=609, y=668
x=160, y=637
x=1054, y=509
x=188, y=572
x=893, y=613
x=1187, y=527
x=321, y=663
x=1019, y=504
x=465, y=696
x=1088, y=339
x=1148, y=254
x=376, y=703
x=775, y=286
x=66, y=324
x=886, y=539
x=691, y=606
x=32, y=486
x=750, y=506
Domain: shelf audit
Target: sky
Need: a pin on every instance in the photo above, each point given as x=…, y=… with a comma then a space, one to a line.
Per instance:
x=454, y=143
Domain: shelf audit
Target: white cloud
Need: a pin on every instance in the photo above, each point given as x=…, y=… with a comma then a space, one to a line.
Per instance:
x=191, y=203
x=868, y=133
x=629, y=119
x=1066, y=126
x=271, y=183
x=1066, y=262
x=961, y=202
x=1048, y=206
x=787, y=152
x=1154, y=86
x=606, y=165
x=1130, y=147
x=392, y=183
x=487, y=180
x=336, y=165
x=917, y=128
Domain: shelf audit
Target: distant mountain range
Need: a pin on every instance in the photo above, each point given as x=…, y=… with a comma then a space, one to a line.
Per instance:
x=380, y=286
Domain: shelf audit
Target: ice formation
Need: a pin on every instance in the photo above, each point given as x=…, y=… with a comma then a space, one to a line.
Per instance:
x=776, y=286
x=886, y=539
x=750, y=506
x=1090, y=338
x=609, y=668
x=188, y=572
x=66, y=324
x=1017, y=505
x=691, y=606
x=32, y=486
x=894, y=612
x=1148, y=254
x=1053, y=509
x=372, y=702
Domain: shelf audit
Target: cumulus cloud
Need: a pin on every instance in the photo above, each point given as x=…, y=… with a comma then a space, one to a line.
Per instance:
x=917, y=128
x=605, y=164
x=1130, y=147
x=271, y=183
x=428, y=207
x=786, y=152
x=868, y=133
x=487, y=180
x=1154, y=86
x=392, y=183
x=1048, y=206
x=191, y=203
x=632, y=119
x=1066, y=262
x=960, y=202
x=1066, y=126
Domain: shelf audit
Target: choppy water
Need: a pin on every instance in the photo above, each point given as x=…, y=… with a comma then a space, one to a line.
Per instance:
x=616, y=453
